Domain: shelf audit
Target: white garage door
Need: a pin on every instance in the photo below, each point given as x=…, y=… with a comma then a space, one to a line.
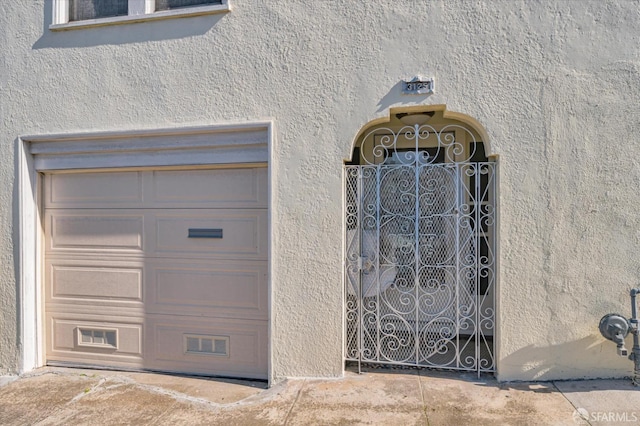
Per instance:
x=158, y=269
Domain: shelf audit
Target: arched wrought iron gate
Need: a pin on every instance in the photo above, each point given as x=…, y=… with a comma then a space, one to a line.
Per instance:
x=420, y=249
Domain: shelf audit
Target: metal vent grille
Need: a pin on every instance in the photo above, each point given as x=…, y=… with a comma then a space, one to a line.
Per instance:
x=206, y=345
x=100, y=338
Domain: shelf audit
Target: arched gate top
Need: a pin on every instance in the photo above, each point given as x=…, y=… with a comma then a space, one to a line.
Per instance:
x=421, y=135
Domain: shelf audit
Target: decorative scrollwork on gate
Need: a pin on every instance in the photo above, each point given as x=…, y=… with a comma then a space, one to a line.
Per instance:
x=420, y=264
x=450, y=143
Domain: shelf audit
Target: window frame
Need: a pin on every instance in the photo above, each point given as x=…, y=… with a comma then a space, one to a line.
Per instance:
x=139, y=11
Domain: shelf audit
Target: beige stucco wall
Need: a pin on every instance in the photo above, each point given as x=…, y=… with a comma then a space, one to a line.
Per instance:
x=554, y=83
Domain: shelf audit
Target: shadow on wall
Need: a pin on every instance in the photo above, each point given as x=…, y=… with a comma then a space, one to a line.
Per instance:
x=587, y=358
x=165, y=29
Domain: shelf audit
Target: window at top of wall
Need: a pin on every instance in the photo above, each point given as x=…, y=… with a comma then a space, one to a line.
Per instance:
x=69, y=14
x=176, y=4
x=80, y=10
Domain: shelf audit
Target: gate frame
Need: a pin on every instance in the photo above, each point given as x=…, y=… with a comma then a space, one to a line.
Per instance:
x=492, y=156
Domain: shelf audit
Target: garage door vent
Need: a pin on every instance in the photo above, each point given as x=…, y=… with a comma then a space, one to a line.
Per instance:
x=207, y=345
x=100, y=338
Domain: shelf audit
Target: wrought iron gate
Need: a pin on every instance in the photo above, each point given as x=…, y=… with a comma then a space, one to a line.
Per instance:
x=420, y=240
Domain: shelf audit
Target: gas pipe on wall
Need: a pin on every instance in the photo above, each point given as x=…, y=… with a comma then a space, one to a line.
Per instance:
x=616, y=327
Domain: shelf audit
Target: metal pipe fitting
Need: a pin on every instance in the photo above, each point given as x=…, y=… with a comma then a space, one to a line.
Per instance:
x=616, y=327
x=635, y=351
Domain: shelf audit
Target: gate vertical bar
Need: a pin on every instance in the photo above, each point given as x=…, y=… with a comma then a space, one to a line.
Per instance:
x=377, y=263
x=416, y=251
x=477, y=232
x=359, y=202
x=458, y=205
x=493, y=202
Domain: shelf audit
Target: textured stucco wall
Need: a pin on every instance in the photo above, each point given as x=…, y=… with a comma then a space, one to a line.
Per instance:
x=555, y=83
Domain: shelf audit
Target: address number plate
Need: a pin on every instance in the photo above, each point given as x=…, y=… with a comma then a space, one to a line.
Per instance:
x=418, y=86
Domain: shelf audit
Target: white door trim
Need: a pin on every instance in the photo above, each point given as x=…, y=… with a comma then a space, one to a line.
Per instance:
x=242, y=143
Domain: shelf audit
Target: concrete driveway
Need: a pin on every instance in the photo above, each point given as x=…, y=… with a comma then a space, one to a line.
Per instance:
x=60, y=396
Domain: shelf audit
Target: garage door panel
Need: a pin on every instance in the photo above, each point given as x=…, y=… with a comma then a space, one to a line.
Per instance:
x=208, y=188
x=208, y=288
x=94, y=339
x=242, y=233
x=221, y=347
x=104, y=190
x=94, y=231
x=219, y=188
x=94, y=283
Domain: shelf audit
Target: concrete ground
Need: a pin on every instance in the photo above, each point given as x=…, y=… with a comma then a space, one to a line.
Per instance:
x=62, y=396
